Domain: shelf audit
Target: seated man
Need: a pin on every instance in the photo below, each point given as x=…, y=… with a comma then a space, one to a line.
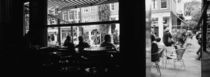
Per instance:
x=68, y=44
x=107, y=43
x=82, y=44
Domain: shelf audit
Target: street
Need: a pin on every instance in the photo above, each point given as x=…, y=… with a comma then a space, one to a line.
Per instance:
x=192, y=65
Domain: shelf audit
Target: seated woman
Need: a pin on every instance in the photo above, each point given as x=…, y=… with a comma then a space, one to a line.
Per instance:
x=155, y=50
x=107, y=43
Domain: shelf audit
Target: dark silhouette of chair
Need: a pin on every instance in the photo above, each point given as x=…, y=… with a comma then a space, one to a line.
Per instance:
x=179, y=58
x=155, y=60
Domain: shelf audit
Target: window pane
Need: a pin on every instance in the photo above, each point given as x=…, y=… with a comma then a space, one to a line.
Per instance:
x=92, y=34
x=163, y=3
x=96, y=13
x=52, y=38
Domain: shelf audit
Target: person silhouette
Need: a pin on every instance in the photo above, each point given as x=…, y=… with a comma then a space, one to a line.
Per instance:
x=167, y=38
x=155, y=50
x=69, y=44
x=82, y=44
x=107, y=43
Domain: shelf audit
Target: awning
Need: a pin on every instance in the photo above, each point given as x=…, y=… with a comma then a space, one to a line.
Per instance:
x=62, y=4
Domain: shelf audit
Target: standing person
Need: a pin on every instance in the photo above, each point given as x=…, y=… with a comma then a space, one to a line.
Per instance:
x=155, y=55
x=168, y=42
x=199, y=38
x=69, y=44
x=167, y=38
x=82, y=44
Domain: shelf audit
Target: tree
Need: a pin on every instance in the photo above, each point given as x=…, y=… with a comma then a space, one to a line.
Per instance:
x=191, y=24
x=193, y=9
x=196, y=15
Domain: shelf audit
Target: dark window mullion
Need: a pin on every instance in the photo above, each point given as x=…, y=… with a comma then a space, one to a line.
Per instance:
x=83, y=24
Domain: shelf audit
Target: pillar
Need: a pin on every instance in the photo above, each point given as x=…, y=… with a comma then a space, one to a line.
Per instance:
x=148, y=40
x=160, y=27
x=170, y=24
x=38, y=22
x=11, y=22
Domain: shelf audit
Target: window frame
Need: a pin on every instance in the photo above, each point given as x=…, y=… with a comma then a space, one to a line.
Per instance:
x=71, y=25
x=166, y=1
x=154, y=4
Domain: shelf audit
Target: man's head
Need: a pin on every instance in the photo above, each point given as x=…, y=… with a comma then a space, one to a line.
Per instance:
x=158, y=39
x=80, y=39
x=68, y=38
x=107, y=38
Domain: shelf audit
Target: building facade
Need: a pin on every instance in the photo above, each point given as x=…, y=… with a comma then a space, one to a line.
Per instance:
x=163, y=15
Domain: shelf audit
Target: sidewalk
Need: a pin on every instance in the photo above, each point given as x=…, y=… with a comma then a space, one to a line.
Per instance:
x=205, y=64
x=192, y=66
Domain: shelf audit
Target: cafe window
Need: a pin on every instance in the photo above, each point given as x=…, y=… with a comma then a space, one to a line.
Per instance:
x=163, y=3
x=65, y=15
x=91, y=22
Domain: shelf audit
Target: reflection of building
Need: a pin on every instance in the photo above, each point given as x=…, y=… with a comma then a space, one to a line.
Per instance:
x=71, y=15
x=89, y=14
x=163, y=15
x=51, y=20
x=114, y=11
x=114, y=15
x=180, y=6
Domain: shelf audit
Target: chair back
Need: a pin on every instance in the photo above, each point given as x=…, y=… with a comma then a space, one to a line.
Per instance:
x=180, y=53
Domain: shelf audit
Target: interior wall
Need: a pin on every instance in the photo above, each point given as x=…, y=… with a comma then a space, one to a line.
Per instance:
x=10, y=22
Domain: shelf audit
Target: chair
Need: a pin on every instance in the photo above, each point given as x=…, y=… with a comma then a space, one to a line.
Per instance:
x=175, y=58
x=179, y=58
x=155, y=60
x=167, y=56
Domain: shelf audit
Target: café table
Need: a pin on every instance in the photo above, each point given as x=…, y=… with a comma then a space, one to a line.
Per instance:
x=98, y=49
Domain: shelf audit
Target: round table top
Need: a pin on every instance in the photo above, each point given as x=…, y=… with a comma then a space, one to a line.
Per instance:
x=95, y=49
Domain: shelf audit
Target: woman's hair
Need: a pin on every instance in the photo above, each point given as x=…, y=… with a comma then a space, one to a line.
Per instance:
x=158, y=39
x=80, y=38
x=152, y=38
